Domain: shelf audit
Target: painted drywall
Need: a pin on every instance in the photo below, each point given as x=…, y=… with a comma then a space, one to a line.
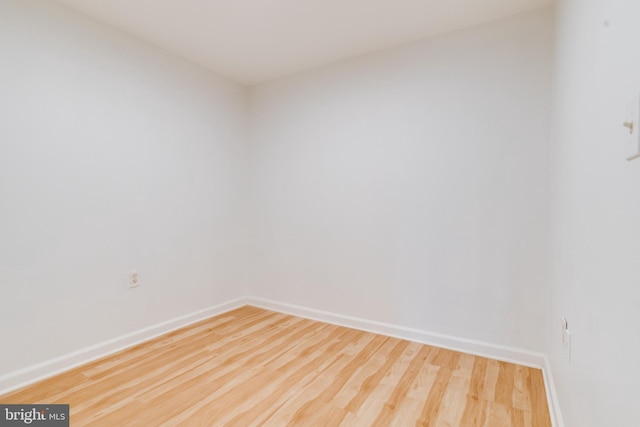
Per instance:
x=411, y=186
x=595, y=211
x=113, y=156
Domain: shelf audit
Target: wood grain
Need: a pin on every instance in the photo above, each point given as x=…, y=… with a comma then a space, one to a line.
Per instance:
x=257, y=367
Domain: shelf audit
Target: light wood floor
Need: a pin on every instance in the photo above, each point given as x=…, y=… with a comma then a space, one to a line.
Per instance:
x=256, y=367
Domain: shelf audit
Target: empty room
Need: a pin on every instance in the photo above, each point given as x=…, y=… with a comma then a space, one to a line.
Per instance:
x=320, y=213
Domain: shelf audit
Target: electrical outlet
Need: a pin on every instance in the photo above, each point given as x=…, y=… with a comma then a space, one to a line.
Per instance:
x=133, y=279
x=566, y=337
x=632, y=125
x=566, y=343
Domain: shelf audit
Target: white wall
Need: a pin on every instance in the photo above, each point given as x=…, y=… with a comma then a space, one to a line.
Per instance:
x=595, y=214
x=113, y=155
x=411, y=186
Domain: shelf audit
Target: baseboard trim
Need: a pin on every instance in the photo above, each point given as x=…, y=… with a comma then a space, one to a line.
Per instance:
x=478, y=348
x=552, y=395
x=31, y=374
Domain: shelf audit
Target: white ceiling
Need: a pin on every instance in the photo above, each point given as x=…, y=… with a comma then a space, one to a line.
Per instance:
x=252, y=41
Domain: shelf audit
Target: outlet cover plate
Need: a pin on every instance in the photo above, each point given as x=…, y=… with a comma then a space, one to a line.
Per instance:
x=566, y=343
x=133, y=279
x=633, y=132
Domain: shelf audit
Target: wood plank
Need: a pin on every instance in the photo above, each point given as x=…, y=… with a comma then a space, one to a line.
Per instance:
x=457, y=391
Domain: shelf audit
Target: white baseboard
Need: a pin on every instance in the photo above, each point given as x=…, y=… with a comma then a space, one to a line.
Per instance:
x=552, y=395
x=48, y=368
x=478, y=348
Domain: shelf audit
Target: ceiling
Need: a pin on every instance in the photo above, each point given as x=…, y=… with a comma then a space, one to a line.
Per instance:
x=253, y=41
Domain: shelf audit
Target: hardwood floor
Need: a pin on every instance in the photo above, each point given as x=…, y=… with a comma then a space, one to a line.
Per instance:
x=256, y=367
